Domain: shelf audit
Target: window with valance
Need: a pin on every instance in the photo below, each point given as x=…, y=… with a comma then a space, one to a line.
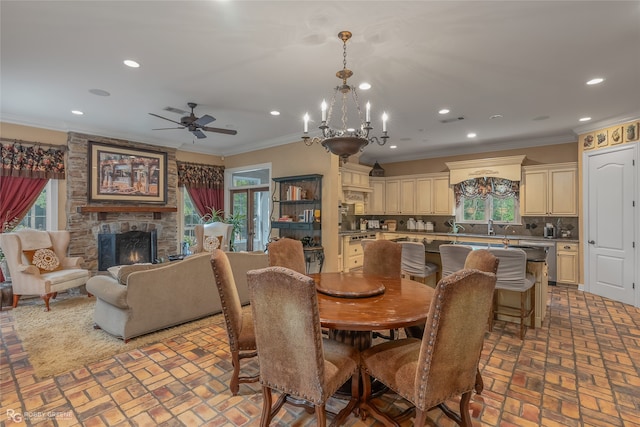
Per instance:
x=482, y=199
x=25, y=170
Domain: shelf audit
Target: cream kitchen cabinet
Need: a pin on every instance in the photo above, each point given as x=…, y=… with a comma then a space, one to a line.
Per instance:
x=550, y=190
x=376, y=203
x=400, y=196
x=567, y=263
x=433, y=196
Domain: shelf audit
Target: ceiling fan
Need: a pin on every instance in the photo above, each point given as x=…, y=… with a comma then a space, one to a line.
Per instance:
x=196, y=125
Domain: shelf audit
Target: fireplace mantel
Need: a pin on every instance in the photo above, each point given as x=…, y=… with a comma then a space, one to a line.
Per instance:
x=104, y=210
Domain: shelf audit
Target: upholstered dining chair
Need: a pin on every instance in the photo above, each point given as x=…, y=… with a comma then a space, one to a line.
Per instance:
x=453, y=257
x=39, y=264
x=483, y=260
x=413, y=262
x=238, y=322
x=288, y=253
x=382, y=258
x=512, y=276
x=428, y=372
x=294, y=358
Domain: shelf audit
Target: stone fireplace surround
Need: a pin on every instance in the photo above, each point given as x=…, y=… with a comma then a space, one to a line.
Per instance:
x=84, y=227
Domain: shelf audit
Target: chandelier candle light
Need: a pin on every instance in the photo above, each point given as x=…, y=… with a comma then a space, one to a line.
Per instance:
x=346, y=141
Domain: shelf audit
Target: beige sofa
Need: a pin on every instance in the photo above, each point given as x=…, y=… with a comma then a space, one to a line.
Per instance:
x=165, y=295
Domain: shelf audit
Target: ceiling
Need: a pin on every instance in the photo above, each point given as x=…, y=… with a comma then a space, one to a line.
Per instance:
x=526, y=61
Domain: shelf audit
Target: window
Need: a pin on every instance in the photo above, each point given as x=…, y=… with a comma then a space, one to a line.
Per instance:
x=43, y=215
x=482, y=199
x=190, y=218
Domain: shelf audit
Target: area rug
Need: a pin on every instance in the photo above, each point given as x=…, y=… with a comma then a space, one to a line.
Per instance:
x=64, y=339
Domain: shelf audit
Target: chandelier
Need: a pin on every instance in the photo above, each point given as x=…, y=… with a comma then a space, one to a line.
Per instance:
x=346, y=141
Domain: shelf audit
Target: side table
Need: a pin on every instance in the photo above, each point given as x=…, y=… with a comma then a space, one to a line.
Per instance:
x=313, y=253
x=6, y=291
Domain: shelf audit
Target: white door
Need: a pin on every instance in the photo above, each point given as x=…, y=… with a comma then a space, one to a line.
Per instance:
x=610, y=224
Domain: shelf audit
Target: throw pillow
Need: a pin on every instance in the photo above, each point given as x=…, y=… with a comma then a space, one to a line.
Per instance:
x=44, y=258
x=211, y=243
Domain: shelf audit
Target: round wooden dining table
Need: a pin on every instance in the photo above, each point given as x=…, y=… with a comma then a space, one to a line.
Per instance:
x=352, y=304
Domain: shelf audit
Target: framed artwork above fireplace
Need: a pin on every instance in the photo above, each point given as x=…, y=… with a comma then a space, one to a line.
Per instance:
x=126, y=175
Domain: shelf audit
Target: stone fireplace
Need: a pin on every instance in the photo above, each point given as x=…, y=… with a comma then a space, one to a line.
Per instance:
x=85, y=227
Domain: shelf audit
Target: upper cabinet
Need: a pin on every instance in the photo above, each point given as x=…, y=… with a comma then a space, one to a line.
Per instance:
x=433, y=195
x=550, y=190
x=427, y=194
x=377, y=196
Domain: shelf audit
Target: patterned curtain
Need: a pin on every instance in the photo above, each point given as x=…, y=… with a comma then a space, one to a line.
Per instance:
x=205, y=185
x=193, y=175
x=32, y=161
x=482, y=187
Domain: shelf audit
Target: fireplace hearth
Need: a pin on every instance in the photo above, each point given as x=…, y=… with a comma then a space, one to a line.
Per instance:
x=126, y=248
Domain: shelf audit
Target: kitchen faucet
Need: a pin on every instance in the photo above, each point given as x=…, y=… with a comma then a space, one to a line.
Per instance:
x=490, y=231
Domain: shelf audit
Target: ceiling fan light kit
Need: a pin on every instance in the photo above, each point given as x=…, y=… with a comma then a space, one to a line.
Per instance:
x=346, y=141
x=196, y=125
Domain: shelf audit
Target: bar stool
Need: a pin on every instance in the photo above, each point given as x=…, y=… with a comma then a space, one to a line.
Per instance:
x=413, y=263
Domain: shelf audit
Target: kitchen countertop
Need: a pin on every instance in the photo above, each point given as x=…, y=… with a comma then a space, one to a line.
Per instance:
x=499, y=237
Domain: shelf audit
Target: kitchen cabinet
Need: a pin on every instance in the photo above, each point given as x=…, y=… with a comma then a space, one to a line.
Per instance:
x=377, y=196
x=400, y=196
x=433, y=195
x=297, y=207
x=567, y=263
x=550, y=190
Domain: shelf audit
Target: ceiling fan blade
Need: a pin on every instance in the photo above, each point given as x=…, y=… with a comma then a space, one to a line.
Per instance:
x=204, y=120
x=181, y=127
x=165, y=118
x=198, y=134
x=220, y=130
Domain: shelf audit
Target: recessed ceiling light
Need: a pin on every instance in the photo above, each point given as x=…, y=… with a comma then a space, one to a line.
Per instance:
x=443, y=111
x=275, y=113
x=131, y=63
x=496, y=116
x=99, y=92
x=364, y=86
x=393, y=147
x=584, y=119
x=595, y=81
x=77, y=112
x=471, y=135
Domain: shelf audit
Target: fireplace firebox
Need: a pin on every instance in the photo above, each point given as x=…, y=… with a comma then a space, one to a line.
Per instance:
x=127, y=248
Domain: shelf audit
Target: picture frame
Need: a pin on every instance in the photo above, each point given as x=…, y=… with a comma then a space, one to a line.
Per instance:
x=121, y=174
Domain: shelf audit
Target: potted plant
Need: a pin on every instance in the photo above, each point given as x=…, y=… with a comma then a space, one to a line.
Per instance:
x=236, y=221
x=4, y=268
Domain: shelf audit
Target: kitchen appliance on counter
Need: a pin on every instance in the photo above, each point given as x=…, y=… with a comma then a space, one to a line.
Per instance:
x=549, y=231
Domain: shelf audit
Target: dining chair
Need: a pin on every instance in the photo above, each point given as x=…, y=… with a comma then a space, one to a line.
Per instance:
x=429, y=372
x=288, y=253
x=512, y=276
x=483, y=260
x=413, y=263
x=238, y=322
x=382, y=258
x=294, y=358
x=453, y=257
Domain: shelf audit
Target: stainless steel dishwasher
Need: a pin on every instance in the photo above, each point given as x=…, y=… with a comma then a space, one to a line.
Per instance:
x=550, y=249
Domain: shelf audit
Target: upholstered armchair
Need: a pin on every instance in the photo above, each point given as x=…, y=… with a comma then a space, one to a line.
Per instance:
x=288, y=253
x=429, y=372
x=206, y=233
x=294, y=358
x=39, y=264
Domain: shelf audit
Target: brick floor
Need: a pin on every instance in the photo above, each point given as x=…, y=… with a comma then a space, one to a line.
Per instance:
x=582, y=368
